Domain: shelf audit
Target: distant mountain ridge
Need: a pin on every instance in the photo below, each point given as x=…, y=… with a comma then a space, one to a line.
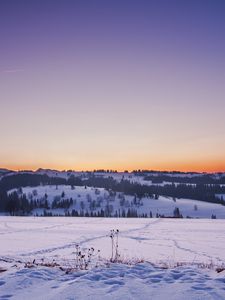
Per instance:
x=156, y=172
x=3, y=170
x=143, y=177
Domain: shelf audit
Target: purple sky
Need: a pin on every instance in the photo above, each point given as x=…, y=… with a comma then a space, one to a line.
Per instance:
x=112, y=84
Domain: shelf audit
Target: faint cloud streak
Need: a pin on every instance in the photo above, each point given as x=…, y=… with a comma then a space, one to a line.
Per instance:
x=8, y=71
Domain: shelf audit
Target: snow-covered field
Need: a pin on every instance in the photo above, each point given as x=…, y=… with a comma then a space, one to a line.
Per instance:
x=91, y=199
x=160, y=245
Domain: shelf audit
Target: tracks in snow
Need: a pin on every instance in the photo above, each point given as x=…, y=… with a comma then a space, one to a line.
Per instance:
x=87, y=240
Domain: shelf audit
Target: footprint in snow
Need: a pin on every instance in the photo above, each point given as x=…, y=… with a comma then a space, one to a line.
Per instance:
x=5, y=297
x=201, y=288
x=2, y=282
x=113, y=282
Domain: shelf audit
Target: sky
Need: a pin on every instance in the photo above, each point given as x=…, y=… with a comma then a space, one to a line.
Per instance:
x=112, y=84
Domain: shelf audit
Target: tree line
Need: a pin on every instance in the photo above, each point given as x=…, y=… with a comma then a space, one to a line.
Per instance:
x=202, y=192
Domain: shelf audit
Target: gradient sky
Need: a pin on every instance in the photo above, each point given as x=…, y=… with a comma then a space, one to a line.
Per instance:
x=112, y=84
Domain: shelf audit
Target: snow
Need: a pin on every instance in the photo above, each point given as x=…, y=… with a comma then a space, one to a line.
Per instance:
x=119, y=282
x=163, y=205
x=159, y=243
x=118, y=176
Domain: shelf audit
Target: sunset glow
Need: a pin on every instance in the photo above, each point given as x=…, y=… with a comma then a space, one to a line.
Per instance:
x=113, y=85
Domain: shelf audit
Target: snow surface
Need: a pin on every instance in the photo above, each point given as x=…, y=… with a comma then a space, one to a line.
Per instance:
x=118, y=176
x=159, y=243
x=163, y=205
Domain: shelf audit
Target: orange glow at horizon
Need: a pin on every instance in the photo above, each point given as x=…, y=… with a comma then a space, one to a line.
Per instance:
x=209, y=167
x=120, y=86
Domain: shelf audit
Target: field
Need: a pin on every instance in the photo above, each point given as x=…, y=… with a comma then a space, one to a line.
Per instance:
x=158, y=258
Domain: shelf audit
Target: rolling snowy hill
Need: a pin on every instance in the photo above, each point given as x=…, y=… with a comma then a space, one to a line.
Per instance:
x=91, y=200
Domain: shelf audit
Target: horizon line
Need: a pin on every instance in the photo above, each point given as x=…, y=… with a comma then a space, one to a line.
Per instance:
x=112, y=170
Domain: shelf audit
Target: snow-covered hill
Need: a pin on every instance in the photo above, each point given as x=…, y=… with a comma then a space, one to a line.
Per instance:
x=138, y=177
x=92, y=200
